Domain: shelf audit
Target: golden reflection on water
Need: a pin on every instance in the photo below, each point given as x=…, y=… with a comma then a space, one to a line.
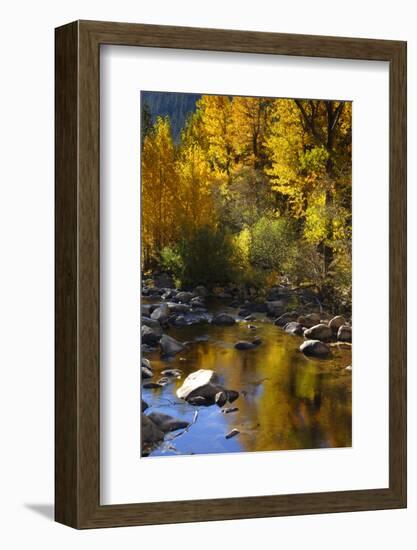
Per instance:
x=287, y=401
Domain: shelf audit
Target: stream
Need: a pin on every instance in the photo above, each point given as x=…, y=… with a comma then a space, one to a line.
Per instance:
x=286, y=400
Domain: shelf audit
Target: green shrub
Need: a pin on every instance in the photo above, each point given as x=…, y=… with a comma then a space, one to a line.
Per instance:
x=305, y=264
x=272, y=241
x=171, y=262
x=207, y=256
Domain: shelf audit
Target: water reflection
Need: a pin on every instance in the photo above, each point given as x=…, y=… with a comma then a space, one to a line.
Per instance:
x=287, y=401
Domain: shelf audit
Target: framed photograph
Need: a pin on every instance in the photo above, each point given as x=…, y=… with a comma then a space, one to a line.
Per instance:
x=230, y=274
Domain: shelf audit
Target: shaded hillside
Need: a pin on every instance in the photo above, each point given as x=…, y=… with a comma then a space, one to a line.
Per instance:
x=176, y=105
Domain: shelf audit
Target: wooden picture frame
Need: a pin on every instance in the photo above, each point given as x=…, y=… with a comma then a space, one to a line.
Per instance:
x=77, y=382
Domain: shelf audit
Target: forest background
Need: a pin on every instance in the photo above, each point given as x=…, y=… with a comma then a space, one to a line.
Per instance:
x=250, y=191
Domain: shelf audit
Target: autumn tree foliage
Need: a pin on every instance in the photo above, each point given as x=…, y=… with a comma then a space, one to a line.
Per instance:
x=310, y=148
x=273, y=175
x=159, y=191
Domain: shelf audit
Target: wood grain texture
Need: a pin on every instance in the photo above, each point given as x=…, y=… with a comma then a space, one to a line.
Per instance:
x=78, y=284
x=398, y=273
x=66, y=238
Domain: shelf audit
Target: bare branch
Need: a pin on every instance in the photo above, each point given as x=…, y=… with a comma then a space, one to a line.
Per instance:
x=309, y=122
x=338, y=113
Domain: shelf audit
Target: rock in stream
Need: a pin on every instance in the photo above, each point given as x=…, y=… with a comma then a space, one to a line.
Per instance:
x=315, y=348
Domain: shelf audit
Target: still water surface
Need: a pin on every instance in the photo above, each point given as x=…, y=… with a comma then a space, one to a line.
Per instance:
x=287, y=401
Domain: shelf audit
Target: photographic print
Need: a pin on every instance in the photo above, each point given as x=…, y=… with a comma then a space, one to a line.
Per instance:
x=246, y=273
x=203, y=194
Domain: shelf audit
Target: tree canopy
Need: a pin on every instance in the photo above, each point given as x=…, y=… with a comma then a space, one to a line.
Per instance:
x=273, y=175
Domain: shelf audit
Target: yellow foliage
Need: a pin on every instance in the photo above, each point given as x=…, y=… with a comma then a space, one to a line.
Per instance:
x=216, y=120
x=300, y=150
x=242, y=244
x=285, y=142
x=250, y=120
x=194, y=187
x=159, y=190
x=310, y=151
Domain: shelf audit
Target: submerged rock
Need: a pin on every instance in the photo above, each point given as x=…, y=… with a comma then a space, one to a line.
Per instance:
x=184, y=297
x=177, y=321
x=173, y=373
x=336, y=323
x=161, y=313
x=249, y=317
x=196, y=318
x=150, y=336
x=244, y=345
x=202, y=338
x=146, y=372
x=199, y=309
x=150, y=432
x=167, y=423
x=230, y=410
x=197, y=301
x=146, y=368
x=152, y=291
x=169, y=293
x=152, y=323
x=203, y=383
x=152, y=385
x=232, y=433
x=220, y=398
x=178, y=308
x=145, y=310
x=315, y=348
x=245, y=314
x=309, y=320
x=144, y=405
x=147, y=349
x=203, y=388
x=344, y=333
x=146, y=363
x=319, y=332
x=199, y=400
x=286, y=318
x=170, y=346
x=223, y=319
x=294, y=328
x=232, y=395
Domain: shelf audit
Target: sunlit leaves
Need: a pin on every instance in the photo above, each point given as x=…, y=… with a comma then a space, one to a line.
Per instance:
x=195, y=207
x=159, y=190
x=245, y=165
